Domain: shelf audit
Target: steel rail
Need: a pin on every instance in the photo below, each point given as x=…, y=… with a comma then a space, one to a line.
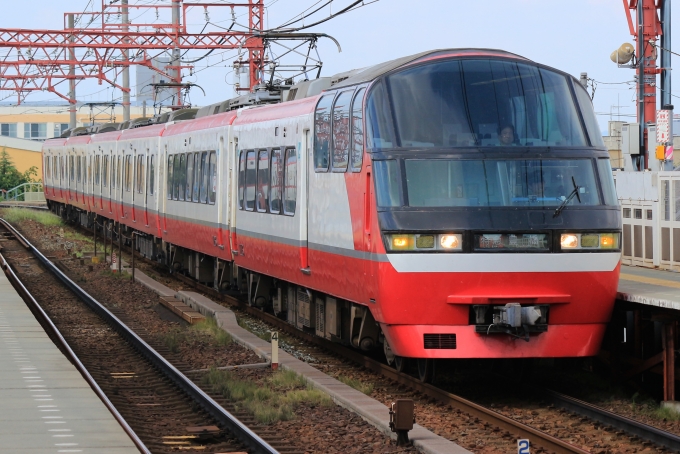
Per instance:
x=55, y=335
x=240, y=431
x=649, y=433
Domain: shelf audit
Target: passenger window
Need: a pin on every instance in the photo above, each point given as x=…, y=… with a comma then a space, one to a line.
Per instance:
x=78, y=169
x=241, y=178
x=170, y=170
x=197, y=177
x=276, y=180
x=190, y=176
x=341, y=131
x=263, y=181
x=119, y=181
x=113, y=171
x=152, y=172
x=105, y=170
x=204, y=177
x=250, y=180
x=175, y=178
x=128, y=173
x=212, y=176
x=290, y=186
x=182, y=176
x=322, y=133
x=357, y=131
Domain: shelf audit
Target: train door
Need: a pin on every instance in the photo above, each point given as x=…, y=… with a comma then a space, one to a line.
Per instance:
x=235, y=163
x=305, y=169
x=148, y=185
x=366, y=227
x=135, y=182
x=218, y=176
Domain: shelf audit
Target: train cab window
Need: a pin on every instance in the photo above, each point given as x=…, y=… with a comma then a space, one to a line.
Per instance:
x=341, y=131
x=171, y=160
x=251, y=176
x=212, y=178
x=197, y=178
x=604, y=168
x=290, y=183
x=203, y=197
x=105, y=171
x=182, y=177
x=262, y=199
x=357, y=140
x=322, y=133
x=387, y=177
x=152, y=174
x=190, y=177
x=241, y=178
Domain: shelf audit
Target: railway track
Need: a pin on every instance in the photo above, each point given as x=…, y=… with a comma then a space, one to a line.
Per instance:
x=635, y=430
x=157, y=405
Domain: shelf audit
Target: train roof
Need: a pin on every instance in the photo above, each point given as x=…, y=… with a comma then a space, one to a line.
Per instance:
x=373, y=72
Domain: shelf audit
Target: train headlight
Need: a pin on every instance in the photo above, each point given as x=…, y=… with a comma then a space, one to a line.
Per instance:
x=401, y=242
x=609, y=240
x=590, y=241
x=451, y=242
x=569, y=241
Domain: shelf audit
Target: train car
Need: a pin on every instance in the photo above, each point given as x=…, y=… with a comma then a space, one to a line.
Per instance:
x=450, y=204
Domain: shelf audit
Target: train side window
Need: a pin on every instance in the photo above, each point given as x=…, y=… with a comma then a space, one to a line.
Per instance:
x=71, y=168
x=212, y=178
x=203, y=198
x=61, y=165
x=96, y=169
x=190, y=176
x=119, y=173
x=241, y=178
x=128, y=173
x=152, y=174
x=182, y=176
x=78, y=168
x=263, y=181
x=341, y=131
x=357, y=140
x=105, y=170
x=142, y=173
x=113, y=171
x=197, y=177
x=275, y=182
x=89, y=169
x=322, y=133
x=175, y=178
x=250, y=180
x=171, y=160
x=290, y=185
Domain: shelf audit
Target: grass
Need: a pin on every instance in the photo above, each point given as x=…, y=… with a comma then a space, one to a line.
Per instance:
x=16, y=215
x=208, y=327
x=174, y=339
x=273, y=400
x=116, y=275
x=366, y=388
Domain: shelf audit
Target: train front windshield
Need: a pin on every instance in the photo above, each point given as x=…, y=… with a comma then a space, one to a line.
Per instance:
x=479, y=103
x=491, y=182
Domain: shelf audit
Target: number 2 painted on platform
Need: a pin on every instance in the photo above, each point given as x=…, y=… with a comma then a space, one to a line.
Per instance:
x=522, y=446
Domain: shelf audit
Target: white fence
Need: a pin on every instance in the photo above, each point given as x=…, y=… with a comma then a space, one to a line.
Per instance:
x=650, y=207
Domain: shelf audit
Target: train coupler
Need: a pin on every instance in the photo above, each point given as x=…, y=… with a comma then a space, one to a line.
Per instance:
x=512, y=319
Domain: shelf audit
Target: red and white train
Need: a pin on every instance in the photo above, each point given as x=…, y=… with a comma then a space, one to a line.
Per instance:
x=451, y=204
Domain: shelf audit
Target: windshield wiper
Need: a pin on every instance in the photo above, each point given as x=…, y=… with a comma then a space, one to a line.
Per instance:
x=573, y=193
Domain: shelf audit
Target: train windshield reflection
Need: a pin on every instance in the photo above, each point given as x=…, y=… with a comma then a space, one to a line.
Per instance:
x=474, y=183
x=464, y=103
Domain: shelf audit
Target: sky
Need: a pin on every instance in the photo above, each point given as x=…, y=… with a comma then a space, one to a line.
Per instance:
x=574, y=36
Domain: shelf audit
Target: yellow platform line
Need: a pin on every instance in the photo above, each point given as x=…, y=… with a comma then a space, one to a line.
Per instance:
x=650, y=280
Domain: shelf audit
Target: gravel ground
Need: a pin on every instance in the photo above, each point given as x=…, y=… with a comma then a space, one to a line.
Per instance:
x=312, y=430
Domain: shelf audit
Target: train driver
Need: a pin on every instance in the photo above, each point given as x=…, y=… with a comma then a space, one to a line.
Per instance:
x=506, y=135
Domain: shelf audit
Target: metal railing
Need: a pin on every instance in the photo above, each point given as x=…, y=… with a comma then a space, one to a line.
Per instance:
x=650, y=208
x=18, y=193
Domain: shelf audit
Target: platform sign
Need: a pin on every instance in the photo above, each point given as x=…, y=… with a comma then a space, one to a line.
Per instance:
x=663, y=126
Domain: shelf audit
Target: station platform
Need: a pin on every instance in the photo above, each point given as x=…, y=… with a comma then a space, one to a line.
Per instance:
x=45, y=404
x=659, y=288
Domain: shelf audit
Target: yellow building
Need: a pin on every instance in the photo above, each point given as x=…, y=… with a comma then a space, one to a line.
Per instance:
x=23, y=153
